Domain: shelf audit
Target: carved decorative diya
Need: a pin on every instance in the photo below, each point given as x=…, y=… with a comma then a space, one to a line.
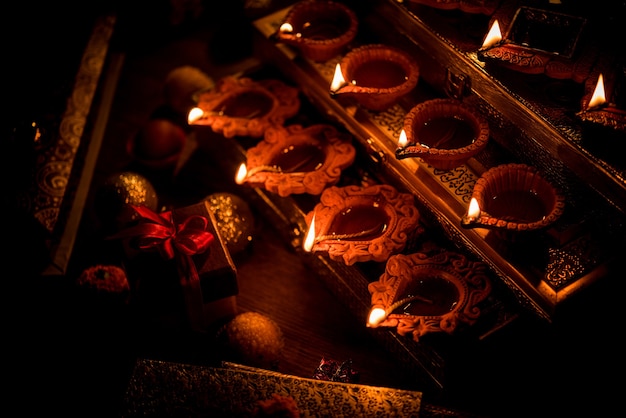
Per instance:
x=513, y=198
x=244, y=107
x=375, y=75
x=355, y=224
x=319, y=29
x=445, y=133
x=294, y=160
x=420, y=294
x=540, y=41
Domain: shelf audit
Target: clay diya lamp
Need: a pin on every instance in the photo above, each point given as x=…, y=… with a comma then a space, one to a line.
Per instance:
x=420, y=294
x=295, y=160
x=244, y=107
x=319, y=29
x=513, y=198
x=376, y=76
x=356, y=224
x=445, y=133
x=158, y=145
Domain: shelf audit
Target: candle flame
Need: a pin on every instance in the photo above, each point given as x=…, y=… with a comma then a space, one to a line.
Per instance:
x=338, y=80
x=598, y=98
x=473, y=212
x=309, y=240
x=286, y=28
x=242, y=173
x=493, y=36
x=194, y=114
x=377, y=315
x=403, y=140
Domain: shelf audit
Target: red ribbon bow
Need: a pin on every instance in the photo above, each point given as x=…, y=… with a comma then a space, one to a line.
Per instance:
x=158, y=232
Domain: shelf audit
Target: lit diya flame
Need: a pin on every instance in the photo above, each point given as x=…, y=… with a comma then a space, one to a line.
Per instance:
x=494, y=36
x=286, y=28
x=473, y=212
x=194, y=115
x=338, y=80
x=598, y=98
x=309, y=240
x=379, y=315
x=242, y=173
x=403, y=140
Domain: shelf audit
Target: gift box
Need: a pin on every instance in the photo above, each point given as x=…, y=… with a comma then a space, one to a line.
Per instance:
x=180, y=268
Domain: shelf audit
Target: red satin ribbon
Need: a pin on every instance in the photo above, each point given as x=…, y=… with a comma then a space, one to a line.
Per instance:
x=158, y=232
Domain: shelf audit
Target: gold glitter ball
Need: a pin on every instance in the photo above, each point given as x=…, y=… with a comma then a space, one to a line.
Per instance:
x=234, y=219
x=118, y=192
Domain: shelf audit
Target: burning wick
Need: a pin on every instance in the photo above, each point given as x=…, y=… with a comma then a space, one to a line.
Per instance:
x=473, y=212
x=338, y=80
x=403, y=140
x=378, y=315
x=598, y=98
x=494, y=36
x=243, y=173
x=286, y=28
x=194, y=115
x=311, y=239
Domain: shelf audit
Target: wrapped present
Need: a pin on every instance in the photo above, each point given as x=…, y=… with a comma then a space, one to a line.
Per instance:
x=178, y=263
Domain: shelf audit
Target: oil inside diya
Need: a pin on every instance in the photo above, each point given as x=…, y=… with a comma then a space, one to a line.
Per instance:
x=244, y=107
x=420, y=294
x=296, y=159
x=319, y=29
x=513, y=197
x=355, y=224
x=375, y=75
x=445, y=133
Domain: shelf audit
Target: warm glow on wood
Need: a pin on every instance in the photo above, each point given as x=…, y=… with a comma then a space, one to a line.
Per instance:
x=309, y=240
x=402, y=140
x=286, y=28
x=194, y=114
x=598, y=98
x=473, y=212
x=377, y=315
x=242, y=173
x=493, y=36
x=338, y=80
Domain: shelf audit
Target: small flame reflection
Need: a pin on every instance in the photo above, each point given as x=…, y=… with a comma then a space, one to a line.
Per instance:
x=241, y=174
x=309, y=240
x=338, y=80
x=194, y=114
x=493, y=36
x=598, y=98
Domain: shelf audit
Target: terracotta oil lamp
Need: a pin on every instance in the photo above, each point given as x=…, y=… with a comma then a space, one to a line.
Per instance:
x=420, y=293
x=244, y=107
x=513, y=198
x=445, y=133
x=375, y=75
x=319, y=29
x=355, y=224
x=295, y=159
x=537, y=42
